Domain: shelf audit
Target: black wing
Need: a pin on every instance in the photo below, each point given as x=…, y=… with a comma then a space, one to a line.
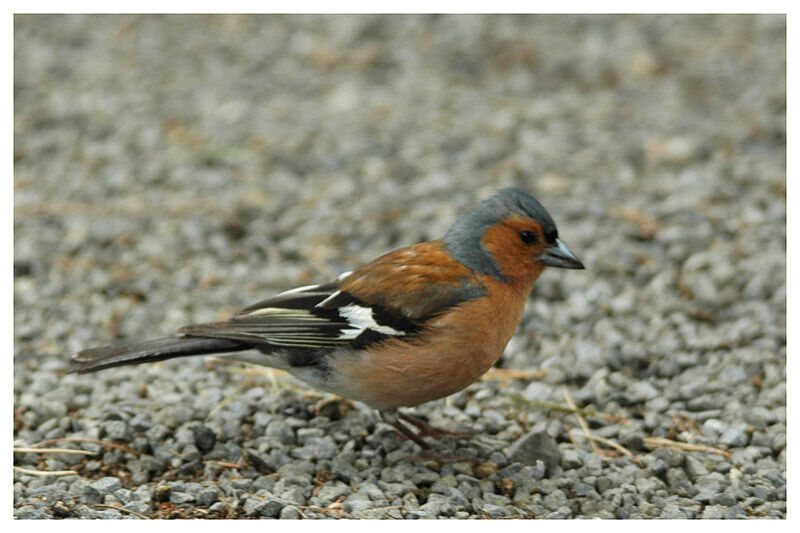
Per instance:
x=313, y=317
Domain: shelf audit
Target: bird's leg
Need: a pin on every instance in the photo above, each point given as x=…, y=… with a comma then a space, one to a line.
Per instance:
x=427, y=430
x=428, y=453
x=391, y=419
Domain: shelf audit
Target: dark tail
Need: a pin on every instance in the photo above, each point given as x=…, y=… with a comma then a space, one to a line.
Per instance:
x=95, y=359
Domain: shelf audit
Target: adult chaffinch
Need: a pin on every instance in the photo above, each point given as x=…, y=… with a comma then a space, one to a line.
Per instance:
x=414, y=325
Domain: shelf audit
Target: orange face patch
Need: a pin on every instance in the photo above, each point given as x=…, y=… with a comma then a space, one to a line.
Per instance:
x=516, y=259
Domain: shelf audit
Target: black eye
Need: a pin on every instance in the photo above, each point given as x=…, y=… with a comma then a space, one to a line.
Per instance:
x=528, y=237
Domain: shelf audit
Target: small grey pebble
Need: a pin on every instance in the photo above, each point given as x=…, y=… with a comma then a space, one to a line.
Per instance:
x=91, y=494
x=255, y=460
x=29, y=512
x=269, y=508
x=538, y=446
x=184, y=436
x=332, y=492
x=713, y=428
x=538, y=391
x=655, y=464
x=139, y=507
x=190, y=468
x=670, y=456
x=675, y=476
x=735, y=511
x=694, y=468
x=714, y=512
x=538, y=470
x=204, y=438
x=316, y=448
x=632, y=437
x=560, y=513
x=498, y=458
x=242, y=484
x=570, y=459
x=736, y=435
x=582, y=489
x=303, y=434
x=555, y=499
x=642, y=391
x=708, y=486
x=410, y=501
x=106, y=485
x=672, y=511
x=220, y=507
x=424, y=478
x=290, y=512
x=178, y=498
x=724, y=499
x=117, y=430
x=140, y=422
x=646, y=486
x=763, y=492
x=294, y=495
x=125, y=496
x=497, y=511
x=357, y=502
x=496, y=499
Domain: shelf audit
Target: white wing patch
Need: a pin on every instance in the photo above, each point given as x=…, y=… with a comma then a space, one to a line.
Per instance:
x=360, y=318
x=309, y=317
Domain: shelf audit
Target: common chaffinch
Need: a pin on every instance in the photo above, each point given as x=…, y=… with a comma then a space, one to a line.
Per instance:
x=414, y=325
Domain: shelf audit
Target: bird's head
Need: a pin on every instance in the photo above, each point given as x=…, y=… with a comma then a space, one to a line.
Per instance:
x=510, y=237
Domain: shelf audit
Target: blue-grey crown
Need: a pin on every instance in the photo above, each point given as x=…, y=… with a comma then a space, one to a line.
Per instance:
x=464, y=239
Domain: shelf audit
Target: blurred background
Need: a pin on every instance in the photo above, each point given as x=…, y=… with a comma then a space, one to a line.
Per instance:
x=171, y=169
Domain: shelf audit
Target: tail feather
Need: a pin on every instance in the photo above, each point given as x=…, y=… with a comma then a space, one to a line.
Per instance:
x=103, y=357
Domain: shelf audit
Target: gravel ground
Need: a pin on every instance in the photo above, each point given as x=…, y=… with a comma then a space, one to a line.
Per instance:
x=174, y=169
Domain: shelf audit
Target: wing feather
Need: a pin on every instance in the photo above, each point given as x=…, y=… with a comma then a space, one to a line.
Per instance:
x=298, y=319
x=415, y=283
x=390, y=297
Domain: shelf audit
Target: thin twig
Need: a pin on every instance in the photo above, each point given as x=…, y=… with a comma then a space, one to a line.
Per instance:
x=230, y=465
x=93, y=441
x=536, y=404
x=54, y=450
x=581, y=421
x=572, y=439
x=134, y=513
x=44, y=472
x=655, y=442
x=274, y=382
x=499, y=374
x=334, y=508
x=620, y=448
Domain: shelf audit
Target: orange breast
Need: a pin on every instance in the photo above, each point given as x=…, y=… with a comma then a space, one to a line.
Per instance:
x=453, y=352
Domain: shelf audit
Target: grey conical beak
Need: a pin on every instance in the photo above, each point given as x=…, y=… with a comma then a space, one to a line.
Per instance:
x=559, y=256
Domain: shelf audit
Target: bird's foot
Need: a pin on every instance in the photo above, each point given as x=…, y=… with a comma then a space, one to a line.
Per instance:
x=427, y=430
x=424, y=430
